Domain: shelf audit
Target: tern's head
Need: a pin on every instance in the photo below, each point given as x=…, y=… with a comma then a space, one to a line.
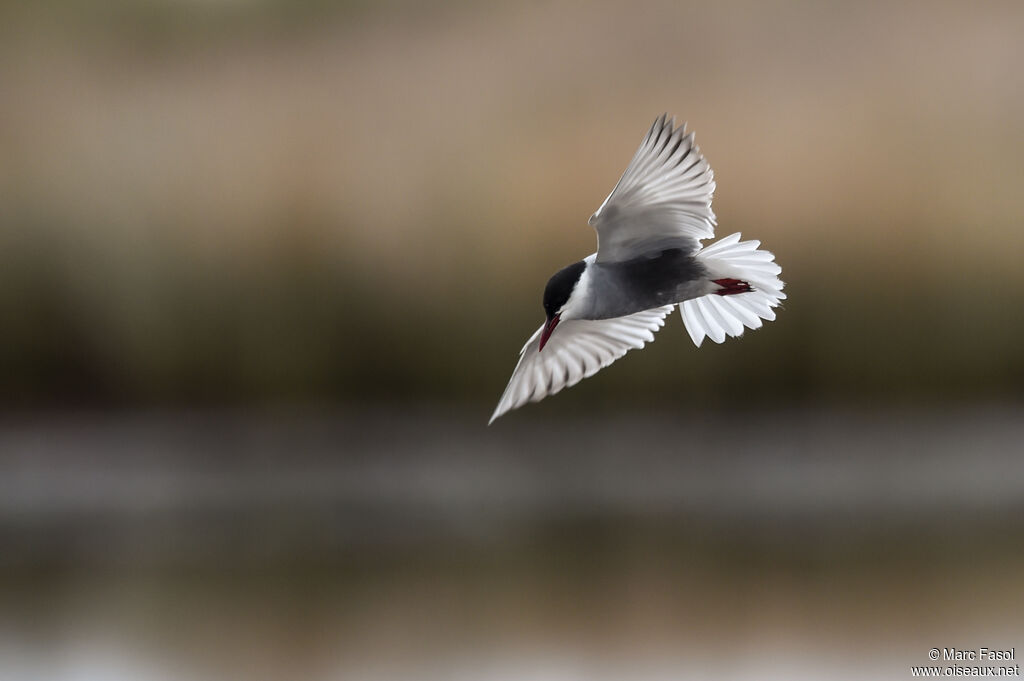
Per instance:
x=559, y=298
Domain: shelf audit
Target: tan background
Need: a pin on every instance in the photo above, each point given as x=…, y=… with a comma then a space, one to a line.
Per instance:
x=265, y=267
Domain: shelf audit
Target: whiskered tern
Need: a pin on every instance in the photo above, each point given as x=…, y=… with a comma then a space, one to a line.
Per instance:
x=649, y=260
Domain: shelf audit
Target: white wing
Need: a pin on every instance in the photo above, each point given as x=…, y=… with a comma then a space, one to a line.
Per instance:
x=663, y=200
x=577, y=349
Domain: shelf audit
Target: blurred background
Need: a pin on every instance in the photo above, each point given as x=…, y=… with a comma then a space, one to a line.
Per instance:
x=266, y=266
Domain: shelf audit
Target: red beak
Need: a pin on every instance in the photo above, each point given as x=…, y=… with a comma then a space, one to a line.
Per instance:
x=546, y=333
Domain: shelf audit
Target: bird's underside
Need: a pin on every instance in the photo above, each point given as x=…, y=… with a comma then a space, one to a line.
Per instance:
x=649, y=260
x=649, y=281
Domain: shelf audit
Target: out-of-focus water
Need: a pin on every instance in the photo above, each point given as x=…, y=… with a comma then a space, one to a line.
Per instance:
x=416, y=543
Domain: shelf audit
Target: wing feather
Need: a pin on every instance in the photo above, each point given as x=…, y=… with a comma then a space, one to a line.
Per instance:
x=578, y=349
x=662, y=200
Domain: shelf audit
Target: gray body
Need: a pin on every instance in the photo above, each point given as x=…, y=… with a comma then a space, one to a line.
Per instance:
x=617, y=289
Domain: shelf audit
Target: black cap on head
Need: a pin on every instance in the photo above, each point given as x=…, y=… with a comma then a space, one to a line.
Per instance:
x=560, y=287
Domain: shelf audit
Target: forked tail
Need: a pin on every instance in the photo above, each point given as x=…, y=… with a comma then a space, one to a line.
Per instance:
x=748, y=288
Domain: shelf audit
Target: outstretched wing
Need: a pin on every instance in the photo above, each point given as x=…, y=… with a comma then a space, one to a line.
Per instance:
x=577, y=349
x=663, y=200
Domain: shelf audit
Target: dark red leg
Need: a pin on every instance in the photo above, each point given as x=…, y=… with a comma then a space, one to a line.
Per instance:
x=731, y=287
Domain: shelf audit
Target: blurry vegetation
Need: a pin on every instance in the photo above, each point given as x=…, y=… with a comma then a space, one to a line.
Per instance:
x=162, y=323
x=368, y=207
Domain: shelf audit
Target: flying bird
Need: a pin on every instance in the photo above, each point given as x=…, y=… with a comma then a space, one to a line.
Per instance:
x=649, y=259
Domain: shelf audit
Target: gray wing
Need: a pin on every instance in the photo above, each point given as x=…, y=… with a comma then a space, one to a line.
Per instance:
x=663, y=200
x=578, y=348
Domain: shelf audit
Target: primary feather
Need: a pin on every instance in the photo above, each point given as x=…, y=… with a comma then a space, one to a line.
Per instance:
x=579, y=349
x=662, y=200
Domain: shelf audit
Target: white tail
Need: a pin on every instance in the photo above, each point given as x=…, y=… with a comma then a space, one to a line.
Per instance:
x=718, y=316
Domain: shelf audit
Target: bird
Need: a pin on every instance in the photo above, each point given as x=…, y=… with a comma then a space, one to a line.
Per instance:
x=649, y=260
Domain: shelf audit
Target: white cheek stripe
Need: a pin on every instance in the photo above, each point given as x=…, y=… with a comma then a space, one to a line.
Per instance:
x=576, y=306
